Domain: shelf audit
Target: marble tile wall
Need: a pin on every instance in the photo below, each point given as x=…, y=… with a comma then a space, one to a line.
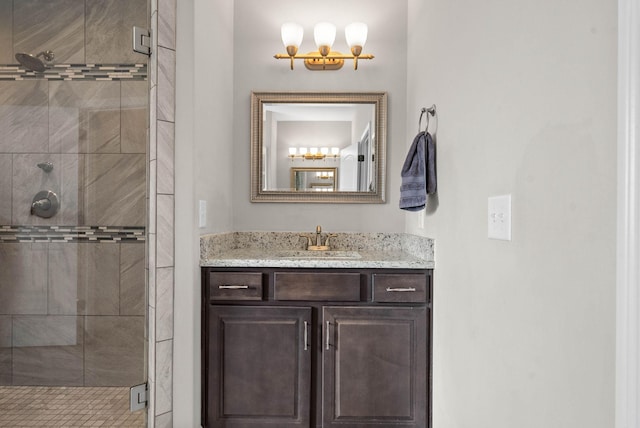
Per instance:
x=47, y=350
x=24, y=117
x=96, y=147
x=77, y=31
x=72, y=314
x=113, y=178
x=113, y=350
x=106, y=42
x=5, y=191
x=23, y=278
x=57, y=25
x=84, y=117
x=5, y=350
x=161, y=221
x=6, y=31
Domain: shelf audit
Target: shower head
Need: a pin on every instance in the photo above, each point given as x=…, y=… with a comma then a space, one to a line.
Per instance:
x=33, y=62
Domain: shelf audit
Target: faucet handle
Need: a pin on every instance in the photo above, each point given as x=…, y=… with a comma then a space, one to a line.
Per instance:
x=309, y=242
x=318, y=229
x=331, y=235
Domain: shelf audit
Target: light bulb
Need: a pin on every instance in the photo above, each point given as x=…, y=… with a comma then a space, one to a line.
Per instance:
x=313, y=150
x=292, y=151
x=324, y=34
x=303, y=151
x=335, y=151
x=291, y=34
x=356, y=34
x=324, y=150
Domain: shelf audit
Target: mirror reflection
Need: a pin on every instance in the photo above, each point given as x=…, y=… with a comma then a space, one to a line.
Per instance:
x=319, y=136
x=314, y=179
x=296, y=136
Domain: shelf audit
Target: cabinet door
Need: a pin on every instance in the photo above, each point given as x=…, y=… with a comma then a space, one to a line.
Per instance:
x=259, y=370
x=375, y=367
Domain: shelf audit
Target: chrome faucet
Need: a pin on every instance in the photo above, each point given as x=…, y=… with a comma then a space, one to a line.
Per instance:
x=318, y=246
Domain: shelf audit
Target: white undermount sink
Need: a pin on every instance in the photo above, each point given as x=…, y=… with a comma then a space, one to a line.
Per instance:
x=322, y=255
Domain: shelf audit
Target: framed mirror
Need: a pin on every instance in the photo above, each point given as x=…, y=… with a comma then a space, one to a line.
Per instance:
x=299, y=138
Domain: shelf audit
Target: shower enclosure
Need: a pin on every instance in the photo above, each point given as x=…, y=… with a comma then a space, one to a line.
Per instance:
x=73, y=179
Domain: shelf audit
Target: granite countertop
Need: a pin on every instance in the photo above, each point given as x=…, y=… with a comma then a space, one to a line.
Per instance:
x=286, y=249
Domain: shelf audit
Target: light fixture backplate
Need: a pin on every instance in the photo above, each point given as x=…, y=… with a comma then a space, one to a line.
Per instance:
x=319, y=63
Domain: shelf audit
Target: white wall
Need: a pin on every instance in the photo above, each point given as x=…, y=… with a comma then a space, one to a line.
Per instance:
x=203, y=153
x=257, y=39
x=214, y=137
x=526, y=100
x=524, y=330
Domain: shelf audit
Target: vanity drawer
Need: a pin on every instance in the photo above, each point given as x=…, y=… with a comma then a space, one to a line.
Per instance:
x=317, y=286
x=400, y=287
x=235, y=285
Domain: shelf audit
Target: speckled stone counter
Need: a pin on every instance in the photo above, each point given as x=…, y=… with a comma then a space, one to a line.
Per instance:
x=287, y=249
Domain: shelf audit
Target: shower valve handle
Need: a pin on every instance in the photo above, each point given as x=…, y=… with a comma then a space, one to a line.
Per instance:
x=45, y=204
x=42, y=204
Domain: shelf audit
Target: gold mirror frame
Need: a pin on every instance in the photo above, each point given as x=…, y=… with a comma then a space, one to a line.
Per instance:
x=378, y=99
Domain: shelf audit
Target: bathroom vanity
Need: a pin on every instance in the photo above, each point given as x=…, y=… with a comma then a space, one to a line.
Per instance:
x=294, y=340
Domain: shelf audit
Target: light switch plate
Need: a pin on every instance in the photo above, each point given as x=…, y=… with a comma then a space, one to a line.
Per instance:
x=500, y=217
x=202, y=213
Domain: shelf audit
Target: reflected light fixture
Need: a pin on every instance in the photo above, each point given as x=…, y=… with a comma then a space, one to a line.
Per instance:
x=313, y=153
x=324, y=175
x=324, y=34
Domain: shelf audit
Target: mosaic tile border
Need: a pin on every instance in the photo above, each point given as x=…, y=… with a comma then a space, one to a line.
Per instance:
x=77, y=72
x=71, y=234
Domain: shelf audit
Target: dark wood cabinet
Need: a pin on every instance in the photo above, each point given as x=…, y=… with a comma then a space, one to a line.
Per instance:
x=322, y=348
x=260, y=367
x=374, y=367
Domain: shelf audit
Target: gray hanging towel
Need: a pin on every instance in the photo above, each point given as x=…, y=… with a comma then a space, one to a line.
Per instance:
x=418, y=173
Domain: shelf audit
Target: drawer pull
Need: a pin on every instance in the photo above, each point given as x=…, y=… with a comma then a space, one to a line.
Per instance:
x=306, y=326
x=233, y=287
x=401, y=290
x=327, y=336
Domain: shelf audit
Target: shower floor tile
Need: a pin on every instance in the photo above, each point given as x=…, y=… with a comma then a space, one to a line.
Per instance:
x=44, y=406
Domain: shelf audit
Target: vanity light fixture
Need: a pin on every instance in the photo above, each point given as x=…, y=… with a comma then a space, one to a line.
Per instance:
x=324, y=175
x=313, y=153
x=324, y=34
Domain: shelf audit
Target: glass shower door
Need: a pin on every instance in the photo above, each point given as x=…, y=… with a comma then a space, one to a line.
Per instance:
x=73, y=156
